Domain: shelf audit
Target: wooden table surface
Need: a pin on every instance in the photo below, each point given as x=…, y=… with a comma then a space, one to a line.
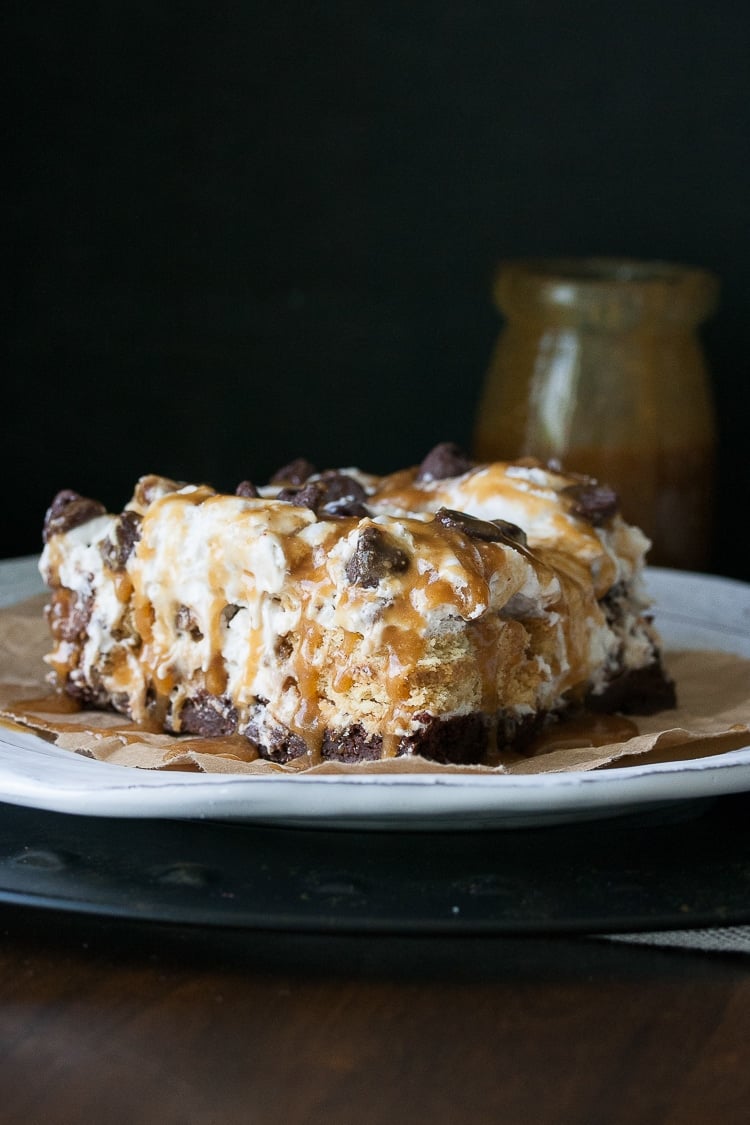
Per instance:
x=108, y=1021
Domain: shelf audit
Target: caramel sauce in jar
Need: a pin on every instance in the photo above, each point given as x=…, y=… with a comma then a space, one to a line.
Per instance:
x=599, y=366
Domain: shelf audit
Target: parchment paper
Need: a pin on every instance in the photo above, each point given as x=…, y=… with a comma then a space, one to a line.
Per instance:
x=713, y=717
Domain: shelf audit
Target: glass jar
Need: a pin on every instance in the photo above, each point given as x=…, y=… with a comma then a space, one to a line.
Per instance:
x=599, y=366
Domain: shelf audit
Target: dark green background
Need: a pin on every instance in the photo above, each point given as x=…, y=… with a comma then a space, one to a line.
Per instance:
x=239, y=232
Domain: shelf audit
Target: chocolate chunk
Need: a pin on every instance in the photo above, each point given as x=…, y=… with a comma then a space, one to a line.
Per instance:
x=344, y=497
x=615, y=603
x=88, y=695
x=376, y=556
x=595, y=503
x=296, y=472
x=284, y=647
x=345, y=509
x=119, y=547
x=332, y=496
x=247, y=489
x=339, y=486
x=68, y=510
x=210, y=715
x=445, y=460
x=489, y=531
x=351, y=745
x=310, y=496
x=159, y=708
x=68, y=615
x=229, y=612
x=186, y=622
x=511, y=531
x=121, y=702
x=152, y=487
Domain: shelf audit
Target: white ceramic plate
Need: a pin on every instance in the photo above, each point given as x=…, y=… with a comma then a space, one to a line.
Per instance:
x=693, y=611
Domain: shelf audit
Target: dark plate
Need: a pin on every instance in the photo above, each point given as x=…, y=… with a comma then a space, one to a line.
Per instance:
x=656, y=871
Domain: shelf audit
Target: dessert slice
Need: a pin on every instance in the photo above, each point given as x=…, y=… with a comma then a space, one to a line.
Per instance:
x=446, y=611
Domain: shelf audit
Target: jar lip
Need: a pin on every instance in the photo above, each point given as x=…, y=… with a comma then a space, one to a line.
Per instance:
x=564, y=281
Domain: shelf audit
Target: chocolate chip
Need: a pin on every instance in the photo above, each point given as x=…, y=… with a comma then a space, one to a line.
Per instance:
x=340, y=486
x=376, y=556
x=296, y=472
x=344, y=496
x=488, y=531
x=247, y=489
x=209, y=715
x=85, y=693
x=68, y=510
x=68, y=615
x=159, y=708
x=332, y=496
x=229, y=612
x=511, y=531
x=152, y=487
x=284, y=647
x=121, y=702
x=310, y=496
x=186, y=622
x=445, y=460
x=345, y=509
x=119, y=547
x=595, y=503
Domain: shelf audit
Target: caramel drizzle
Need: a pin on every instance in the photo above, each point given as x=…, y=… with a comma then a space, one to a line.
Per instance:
x=426, y=589
x=490, y=493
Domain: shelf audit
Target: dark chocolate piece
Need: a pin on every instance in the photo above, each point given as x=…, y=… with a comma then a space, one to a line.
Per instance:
x=127, y=531
x=344, y=496
x=339, y=486
x=247, y=489
x=186, y=622
x=229, y=612
x=595, y=503
x=311, y=495
x=489, y=531
x=151, y=487
x=68, y=510
x=375, y=557
x=296, y=472
x=68, y=615
x=444, y=461
x=88, y=695
x=332, y=496
x=345, y=509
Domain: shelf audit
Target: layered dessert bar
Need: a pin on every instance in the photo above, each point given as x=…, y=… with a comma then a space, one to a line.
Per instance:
x=450, y=610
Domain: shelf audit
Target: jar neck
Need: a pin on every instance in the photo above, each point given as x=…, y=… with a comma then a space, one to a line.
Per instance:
x=608, y=294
